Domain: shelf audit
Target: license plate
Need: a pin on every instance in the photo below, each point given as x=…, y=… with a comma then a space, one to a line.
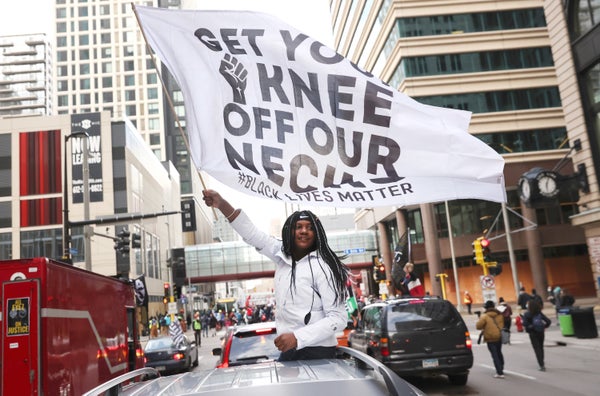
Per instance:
x=160, y=368
x=428, y=363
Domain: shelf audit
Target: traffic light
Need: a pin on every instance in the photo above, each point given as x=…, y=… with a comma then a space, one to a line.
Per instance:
x=378, y=269
x=167, y=292
x=496, y=269
x=122, y=242
x=485, y=250
x=136, y=241
x=478, y=251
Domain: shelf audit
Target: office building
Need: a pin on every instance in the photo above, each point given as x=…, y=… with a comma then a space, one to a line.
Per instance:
x=497, y=60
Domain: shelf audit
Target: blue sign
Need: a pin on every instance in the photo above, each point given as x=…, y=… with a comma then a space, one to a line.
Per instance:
x=354, y=251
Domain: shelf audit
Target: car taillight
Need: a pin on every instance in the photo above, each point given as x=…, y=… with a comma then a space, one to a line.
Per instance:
x=145, y=360
x=383, y=347
x=139, y=352
x=178, y=356
x=468, y=341
x=263, y=331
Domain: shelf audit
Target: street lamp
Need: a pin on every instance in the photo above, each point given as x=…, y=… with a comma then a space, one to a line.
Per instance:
x=66, y=224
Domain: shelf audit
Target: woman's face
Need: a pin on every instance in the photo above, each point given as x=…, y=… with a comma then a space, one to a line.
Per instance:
x=304, y=236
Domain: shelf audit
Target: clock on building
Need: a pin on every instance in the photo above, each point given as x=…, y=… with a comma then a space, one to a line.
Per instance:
x=547, y=184
x=525, y=188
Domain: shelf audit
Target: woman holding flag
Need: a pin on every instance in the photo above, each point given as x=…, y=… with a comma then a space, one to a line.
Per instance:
x=310, y=281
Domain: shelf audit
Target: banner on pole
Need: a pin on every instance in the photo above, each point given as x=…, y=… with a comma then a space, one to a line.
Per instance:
x=275, y=114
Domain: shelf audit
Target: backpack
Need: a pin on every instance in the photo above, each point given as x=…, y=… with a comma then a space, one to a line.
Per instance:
x=538, y=323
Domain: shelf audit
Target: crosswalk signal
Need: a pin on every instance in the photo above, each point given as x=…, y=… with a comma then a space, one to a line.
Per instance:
x=378, y=269
x=167, y=288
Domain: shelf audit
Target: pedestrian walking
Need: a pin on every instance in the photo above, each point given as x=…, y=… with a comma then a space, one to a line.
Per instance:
x=205, y=323
x=197, y=327
x=523, y=299
x=468, y=301
x=536, y=323
x=506, y=311
x=490, y=323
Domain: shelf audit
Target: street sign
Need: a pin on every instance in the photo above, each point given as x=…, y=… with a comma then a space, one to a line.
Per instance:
x=354, y=250
x=487, y=282
x=172, y=308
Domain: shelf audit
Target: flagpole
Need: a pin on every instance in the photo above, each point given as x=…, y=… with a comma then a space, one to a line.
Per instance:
x=455, y=271
x=171, y=106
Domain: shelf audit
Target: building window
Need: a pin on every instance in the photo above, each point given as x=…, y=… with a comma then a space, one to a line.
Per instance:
x=61, y=27
x=104, y=9
x=152, y=108
x=84, y=54
x=107, y=97
x=83, y=26
x=62, y=85
x=487, y=102
x=105, y=24
x=154, y=137
x=61, y=56
x=63, y=100
x=152, y=93
x=62, y=71
x=84, y=39
x=129, y=81
x=130, y=94
x=153, y=124
x=83, y=11
x=128, y=50
x=84, y=69
x=151, y=78
x=105, y=38
x=84, y=83
x=107, y=82
x=61, y=41
x=85, y=99
x=107, y=67
x=130, y=110
x=106, y=52
x=128, y=65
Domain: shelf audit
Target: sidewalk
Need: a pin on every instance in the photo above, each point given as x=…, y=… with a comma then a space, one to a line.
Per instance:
x=553, y=333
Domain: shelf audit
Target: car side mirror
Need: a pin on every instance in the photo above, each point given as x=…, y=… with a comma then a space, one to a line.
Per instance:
x=216, y=351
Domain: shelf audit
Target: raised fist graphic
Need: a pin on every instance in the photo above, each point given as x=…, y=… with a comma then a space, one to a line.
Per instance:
x=235, y=74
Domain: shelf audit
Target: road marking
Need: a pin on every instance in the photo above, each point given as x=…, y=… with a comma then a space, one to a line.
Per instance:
x=516, y=374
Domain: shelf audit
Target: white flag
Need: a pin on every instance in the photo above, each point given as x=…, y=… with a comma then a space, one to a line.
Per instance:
x=276, y=114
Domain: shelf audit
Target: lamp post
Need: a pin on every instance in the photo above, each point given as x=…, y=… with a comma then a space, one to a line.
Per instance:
x=66, y=225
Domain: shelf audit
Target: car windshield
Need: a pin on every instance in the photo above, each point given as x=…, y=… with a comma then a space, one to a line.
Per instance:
x=158, y=343
x=422, y=315
x=256, y=347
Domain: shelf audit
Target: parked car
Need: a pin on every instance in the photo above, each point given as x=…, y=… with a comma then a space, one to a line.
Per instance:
x=293, y=378
x=163, y=355
x=416, y=337
x=248, y=344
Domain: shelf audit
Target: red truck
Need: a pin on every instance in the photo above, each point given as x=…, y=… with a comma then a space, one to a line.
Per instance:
x=65, y=330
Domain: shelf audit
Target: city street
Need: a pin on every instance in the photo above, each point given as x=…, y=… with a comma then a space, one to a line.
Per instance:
x=572, y=366
x=572, y=369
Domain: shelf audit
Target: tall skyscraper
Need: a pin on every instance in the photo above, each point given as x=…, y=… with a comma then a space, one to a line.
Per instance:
x=25, y=75
x=102, y=63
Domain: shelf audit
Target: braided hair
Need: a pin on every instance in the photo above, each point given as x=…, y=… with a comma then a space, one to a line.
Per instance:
x=338, y=269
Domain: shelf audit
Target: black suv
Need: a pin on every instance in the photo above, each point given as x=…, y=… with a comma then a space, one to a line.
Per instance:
x=416, y=337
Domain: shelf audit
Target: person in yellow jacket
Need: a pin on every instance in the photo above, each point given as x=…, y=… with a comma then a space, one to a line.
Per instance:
x=491, y=323
x=197, y=326
x=468, y=301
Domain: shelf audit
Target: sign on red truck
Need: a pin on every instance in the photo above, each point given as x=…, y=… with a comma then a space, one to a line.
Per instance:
x=65, y=330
